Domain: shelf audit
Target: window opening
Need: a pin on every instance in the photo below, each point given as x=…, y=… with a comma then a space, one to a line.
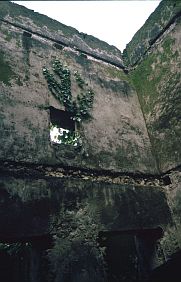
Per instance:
x=62, y=128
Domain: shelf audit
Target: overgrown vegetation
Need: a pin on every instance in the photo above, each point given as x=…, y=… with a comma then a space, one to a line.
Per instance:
x=59, y=84
x=116, y=73
x=151, y=71
x=157, y=81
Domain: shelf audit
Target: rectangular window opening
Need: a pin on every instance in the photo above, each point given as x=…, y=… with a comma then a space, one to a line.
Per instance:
x=62, y=128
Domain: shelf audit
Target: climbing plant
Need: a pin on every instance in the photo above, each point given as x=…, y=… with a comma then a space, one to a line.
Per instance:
x=59, y=84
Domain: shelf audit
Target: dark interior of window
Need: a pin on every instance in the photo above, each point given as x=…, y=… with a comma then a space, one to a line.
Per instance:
x=61, y=119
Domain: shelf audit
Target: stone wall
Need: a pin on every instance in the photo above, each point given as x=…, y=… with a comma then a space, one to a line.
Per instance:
x=158, y=22
x=154, y=56
x=115, y=138
x=65, y=35
x=121, y=185
x=157, y=80
x=120, y=206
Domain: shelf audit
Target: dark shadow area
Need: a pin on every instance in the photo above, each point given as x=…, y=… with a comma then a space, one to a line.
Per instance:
x=58, y=46
x=130, y=254
x=168, y=272
x=25, y=261
x=121, y=258
x=166, y=180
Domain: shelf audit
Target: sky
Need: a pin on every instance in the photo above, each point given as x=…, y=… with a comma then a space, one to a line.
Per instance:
x=115, y=22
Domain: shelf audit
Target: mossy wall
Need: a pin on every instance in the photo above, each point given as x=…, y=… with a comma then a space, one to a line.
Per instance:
x=124, y=134
x=6, y=71
x=156, y=55
x=73, y=212
x=157, y=81
x=111, y=206
x=115, y=137
x=157, y=23
x=175, y=201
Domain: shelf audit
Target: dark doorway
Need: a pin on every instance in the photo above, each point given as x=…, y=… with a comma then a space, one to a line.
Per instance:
x=121, y=258
x=130, y=254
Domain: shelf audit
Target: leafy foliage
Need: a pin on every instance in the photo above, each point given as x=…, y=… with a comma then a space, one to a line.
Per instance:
x=59, y=84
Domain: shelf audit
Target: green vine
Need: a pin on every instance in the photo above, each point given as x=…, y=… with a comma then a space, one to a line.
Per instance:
x=59, y=84
x=79, y=80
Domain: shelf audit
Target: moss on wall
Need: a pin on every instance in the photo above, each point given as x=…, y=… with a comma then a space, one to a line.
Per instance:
x=6, y=72
x=154, y=25
x=8, y=35
x=116, y=73
x=157, y=81
x=76, y=252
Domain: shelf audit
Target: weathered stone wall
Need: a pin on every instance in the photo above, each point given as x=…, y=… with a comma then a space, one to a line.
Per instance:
x=174, y=199
x=58, y=32
x=158, y=22
x=115, y=138
x=157, y=81
x=29, y=206
x=116, y=181
x=74, y=207
x=155, y=54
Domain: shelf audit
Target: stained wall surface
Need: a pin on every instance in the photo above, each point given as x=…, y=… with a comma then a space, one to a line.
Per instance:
x=115, y=181
x=155, y=71
x=115, y=138
x=158, y=22
x=157, y=81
